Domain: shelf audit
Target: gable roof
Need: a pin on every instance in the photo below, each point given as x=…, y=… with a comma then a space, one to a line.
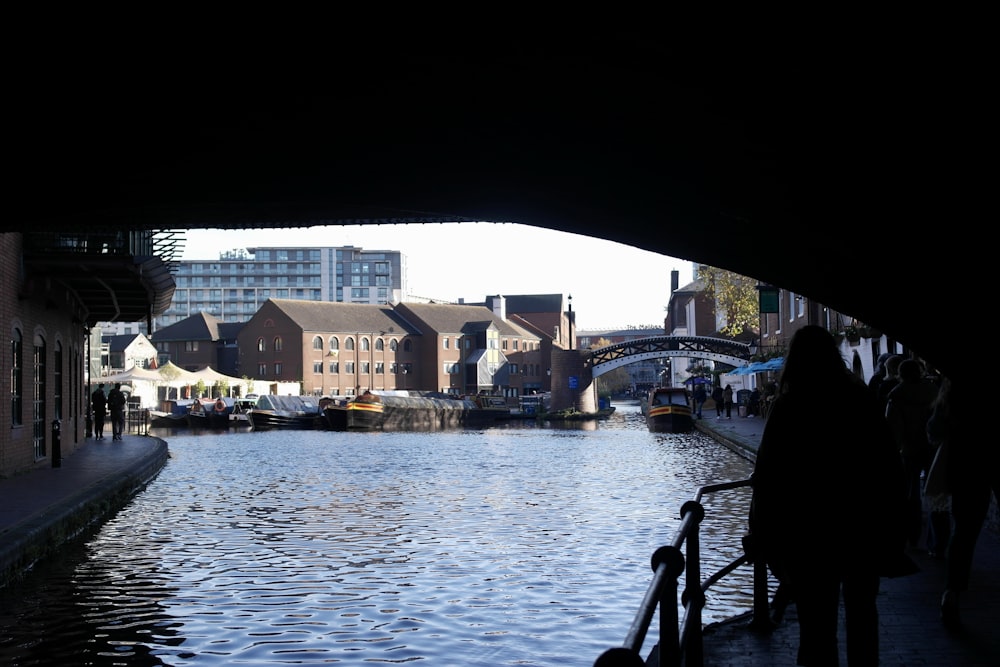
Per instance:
x=348, y=317
x=446, y=318
x=200, y=326
x=121, y=342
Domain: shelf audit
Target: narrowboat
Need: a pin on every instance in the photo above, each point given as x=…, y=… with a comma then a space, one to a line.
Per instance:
x=210, y=413
x=401, y=410
x=668, y=410
x=278, y=411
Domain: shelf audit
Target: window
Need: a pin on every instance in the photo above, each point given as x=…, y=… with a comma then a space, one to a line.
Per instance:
x=277, y=370
x=260, y=345
x=57, y=378
x=277, y=346
x=16, y=379
x=318, y=367
x=451, y=368
x=334, y=343
x=334, y=367
x=38, y=418
x=379, y=344
x=365, y=345
x=379, y=368
x=349, y=367
x=349, y=344
x=445, y=343
x=191, y=346
x=407, y=346
x=262, y=370
x=393, y=344
x=366, y=368
x=317, y=343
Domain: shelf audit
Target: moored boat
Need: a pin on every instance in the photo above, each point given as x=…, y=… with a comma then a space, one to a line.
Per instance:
x=211, y=412
x=172, y=413
x=274, y=411
x=668, y=410
x=400, y=410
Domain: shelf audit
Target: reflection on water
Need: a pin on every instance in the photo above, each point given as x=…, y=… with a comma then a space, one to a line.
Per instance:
x=514, y=545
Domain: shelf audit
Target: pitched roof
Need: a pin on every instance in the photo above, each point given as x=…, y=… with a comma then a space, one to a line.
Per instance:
x=335, y=316
x=449, y=318
x=200, y=326
x=120, y=342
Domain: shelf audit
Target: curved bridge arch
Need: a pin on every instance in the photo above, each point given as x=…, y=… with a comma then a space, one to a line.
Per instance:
x=605, y=359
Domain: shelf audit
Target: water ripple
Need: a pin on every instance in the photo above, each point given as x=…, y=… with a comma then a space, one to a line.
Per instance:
x=509, y=546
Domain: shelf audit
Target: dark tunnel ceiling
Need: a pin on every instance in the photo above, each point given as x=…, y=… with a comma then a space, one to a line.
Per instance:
x=796, y=178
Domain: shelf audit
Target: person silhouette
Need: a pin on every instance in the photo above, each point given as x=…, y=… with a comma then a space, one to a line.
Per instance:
x=973, y=476
x=828, y=500
x=99, y=402
x=116, y=404
x=700, y=396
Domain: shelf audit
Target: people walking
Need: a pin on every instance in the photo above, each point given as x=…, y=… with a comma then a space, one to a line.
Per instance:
x=828, y=501
x=908, y=407
x=700, y=396
x=727, y=399
x=99, y=403
x=116, y=404
x=973, y=480
x=719, y=402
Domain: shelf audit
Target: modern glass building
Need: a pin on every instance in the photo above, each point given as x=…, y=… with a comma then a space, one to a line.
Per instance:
x=234, y=286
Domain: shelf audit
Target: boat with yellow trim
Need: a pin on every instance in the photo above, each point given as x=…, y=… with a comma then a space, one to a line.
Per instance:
x=668, y=410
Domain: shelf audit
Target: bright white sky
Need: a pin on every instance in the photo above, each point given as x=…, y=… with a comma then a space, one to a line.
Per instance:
x=619, y=286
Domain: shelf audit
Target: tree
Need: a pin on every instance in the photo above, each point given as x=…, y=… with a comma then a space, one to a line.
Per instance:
x=735, y=297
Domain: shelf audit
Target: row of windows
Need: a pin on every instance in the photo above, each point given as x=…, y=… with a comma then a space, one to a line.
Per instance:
x=235, y=268
x=277, y=280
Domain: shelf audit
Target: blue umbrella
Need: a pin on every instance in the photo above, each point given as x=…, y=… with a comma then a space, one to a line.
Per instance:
x=775, y=364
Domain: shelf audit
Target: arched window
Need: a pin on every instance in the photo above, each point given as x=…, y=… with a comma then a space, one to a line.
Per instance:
x=38, y=413
x=379, y=345
x=16, y=378
x=261, y=347
x=365, y=345
x=334, y=343
x=277, y=343
x=349, y=344
x=57, y=378
x=317, y=342
x=406, y=345
x=393, y=344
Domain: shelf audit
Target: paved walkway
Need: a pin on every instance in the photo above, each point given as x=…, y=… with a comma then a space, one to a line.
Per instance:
x=41, y=508
x=912, y=633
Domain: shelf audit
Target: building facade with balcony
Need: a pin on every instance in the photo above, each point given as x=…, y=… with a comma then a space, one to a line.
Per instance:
x=57, y=286
x=234, y=286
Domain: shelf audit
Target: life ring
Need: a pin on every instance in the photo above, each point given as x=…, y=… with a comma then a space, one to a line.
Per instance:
x=220, y=406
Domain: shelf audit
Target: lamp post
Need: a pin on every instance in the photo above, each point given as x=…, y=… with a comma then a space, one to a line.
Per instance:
x=570, y=298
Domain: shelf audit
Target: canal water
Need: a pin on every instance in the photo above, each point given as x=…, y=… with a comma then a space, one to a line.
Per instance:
x=515, y=545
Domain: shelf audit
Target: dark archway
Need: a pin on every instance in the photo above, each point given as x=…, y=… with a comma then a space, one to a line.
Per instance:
x=777, y=176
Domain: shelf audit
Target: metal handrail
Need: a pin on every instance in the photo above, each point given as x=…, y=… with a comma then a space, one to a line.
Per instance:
x=680, y=640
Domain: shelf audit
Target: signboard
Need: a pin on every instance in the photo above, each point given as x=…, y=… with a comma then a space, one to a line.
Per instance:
x=574, y=382
x=768, y=298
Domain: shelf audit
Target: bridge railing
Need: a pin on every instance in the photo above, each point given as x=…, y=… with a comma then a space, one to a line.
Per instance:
x=680, y=639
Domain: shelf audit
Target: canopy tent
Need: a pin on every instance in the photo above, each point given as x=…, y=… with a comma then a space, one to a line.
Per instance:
x=173, y=375
x=132, y=374
x=212, y=377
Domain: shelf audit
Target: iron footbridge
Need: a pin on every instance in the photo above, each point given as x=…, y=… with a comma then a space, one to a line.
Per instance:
x=605, y=359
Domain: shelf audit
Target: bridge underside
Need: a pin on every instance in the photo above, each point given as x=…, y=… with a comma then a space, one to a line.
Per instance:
x=789, y=174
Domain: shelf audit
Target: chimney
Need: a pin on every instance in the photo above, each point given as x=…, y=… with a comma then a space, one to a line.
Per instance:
x=498, y=304
x=675, y=279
